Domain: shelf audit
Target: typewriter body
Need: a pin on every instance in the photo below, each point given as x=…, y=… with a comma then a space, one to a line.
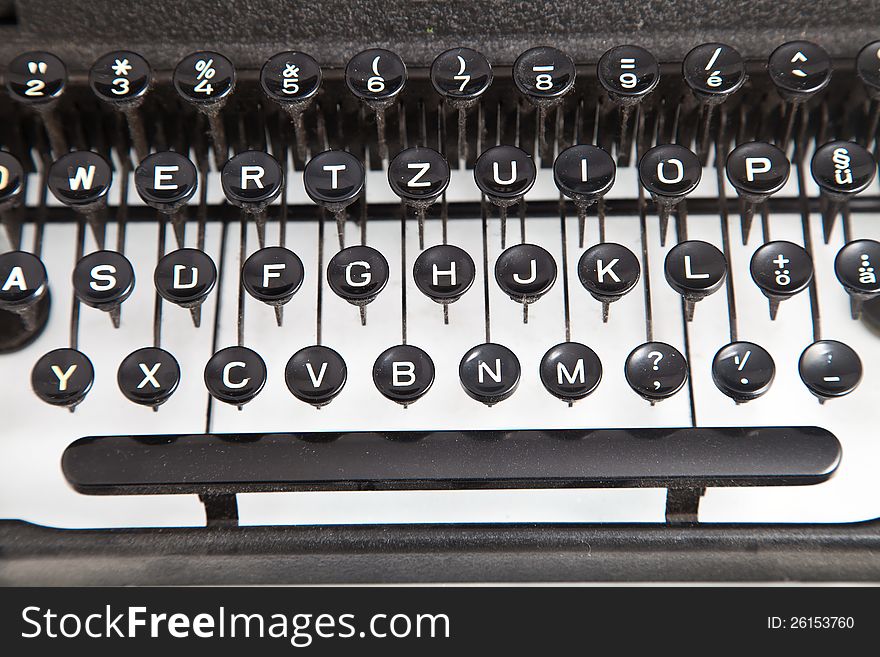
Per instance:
x=325, y=284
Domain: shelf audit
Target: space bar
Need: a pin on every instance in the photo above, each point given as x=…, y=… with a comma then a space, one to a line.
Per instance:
x=399, y=460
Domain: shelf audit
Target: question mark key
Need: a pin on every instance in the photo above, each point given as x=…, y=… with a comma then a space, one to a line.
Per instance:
x=656, y=370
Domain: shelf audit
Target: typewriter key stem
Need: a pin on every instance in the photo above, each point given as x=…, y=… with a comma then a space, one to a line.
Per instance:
x=115, y=315
x=137, y=132
x=746, y=217
x=340, y=216
x=420, y=213
x=663, y=211
x=380, y=132
x=831, y=208
x=582, y=220
x=55, y=132
x=856, y=303
x=462, y=134
x=299, y=129
x=178, y=224
x=260, y=220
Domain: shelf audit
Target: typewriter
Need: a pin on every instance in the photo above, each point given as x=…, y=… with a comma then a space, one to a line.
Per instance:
x=315, y=289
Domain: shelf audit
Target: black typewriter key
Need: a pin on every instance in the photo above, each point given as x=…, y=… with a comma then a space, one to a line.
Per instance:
x=272, y=275
x=799, y=69
x=443, y=273
x=656, y=371
x=525, y=272
x=489, y=373
x=781, y=270
x=206, y=79
x=38, y=79
x=504, y=174
x=695, y=270
x=63, y=377
x=713, y=71
x=403, y=373
x=608, y=271
x=856, y=267
x=628, y=73
x=868, y=69
x=584, y=174
x=24, y=299
x=743, y=371
x=24, y=280
x=148, y=376
x=251, y=181
x=292, y=79
x=166, y=181
x=334, y=180
x=757, y=170
x=103, y=280
x=11, y=180
x=669, y=172
x=358, y=274
x=11, y=195
x=544, y=75
x=830, y=369
x=122, y=79
x=570, y=371
x=461, y=76
x=376, y=76
x=842, y=169
x=419, y=176
x=315, y=375
x=235, y=375
x=82, y=179
x=185, y=277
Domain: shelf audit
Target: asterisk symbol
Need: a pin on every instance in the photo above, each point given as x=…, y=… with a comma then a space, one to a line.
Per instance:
x=121, y=67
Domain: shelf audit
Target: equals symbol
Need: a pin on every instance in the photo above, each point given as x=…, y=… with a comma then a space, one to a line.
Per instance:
x=628, y=63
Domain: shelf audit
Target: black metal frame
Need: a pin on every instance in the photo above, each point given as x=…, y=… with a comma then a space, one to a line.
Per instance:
x=34, y=555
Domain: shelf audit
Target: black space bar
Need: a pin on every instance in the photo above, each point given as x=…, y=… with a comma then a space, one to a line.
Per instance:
x=221, y=463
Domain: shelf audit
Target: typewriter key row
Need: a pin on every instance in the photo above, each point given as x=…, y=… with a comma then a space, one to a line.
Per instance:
x=488, y=373
x=543, y=74
x=525, y=272
x=334, y=179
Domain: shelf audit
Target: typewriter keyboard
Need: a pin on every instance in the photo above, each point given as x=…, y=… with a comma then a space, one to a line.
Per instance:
x=469, y=292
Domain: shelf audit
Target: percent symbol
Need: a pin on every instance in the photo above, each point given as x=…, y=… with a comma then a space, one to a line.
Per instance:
x=206, y=71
